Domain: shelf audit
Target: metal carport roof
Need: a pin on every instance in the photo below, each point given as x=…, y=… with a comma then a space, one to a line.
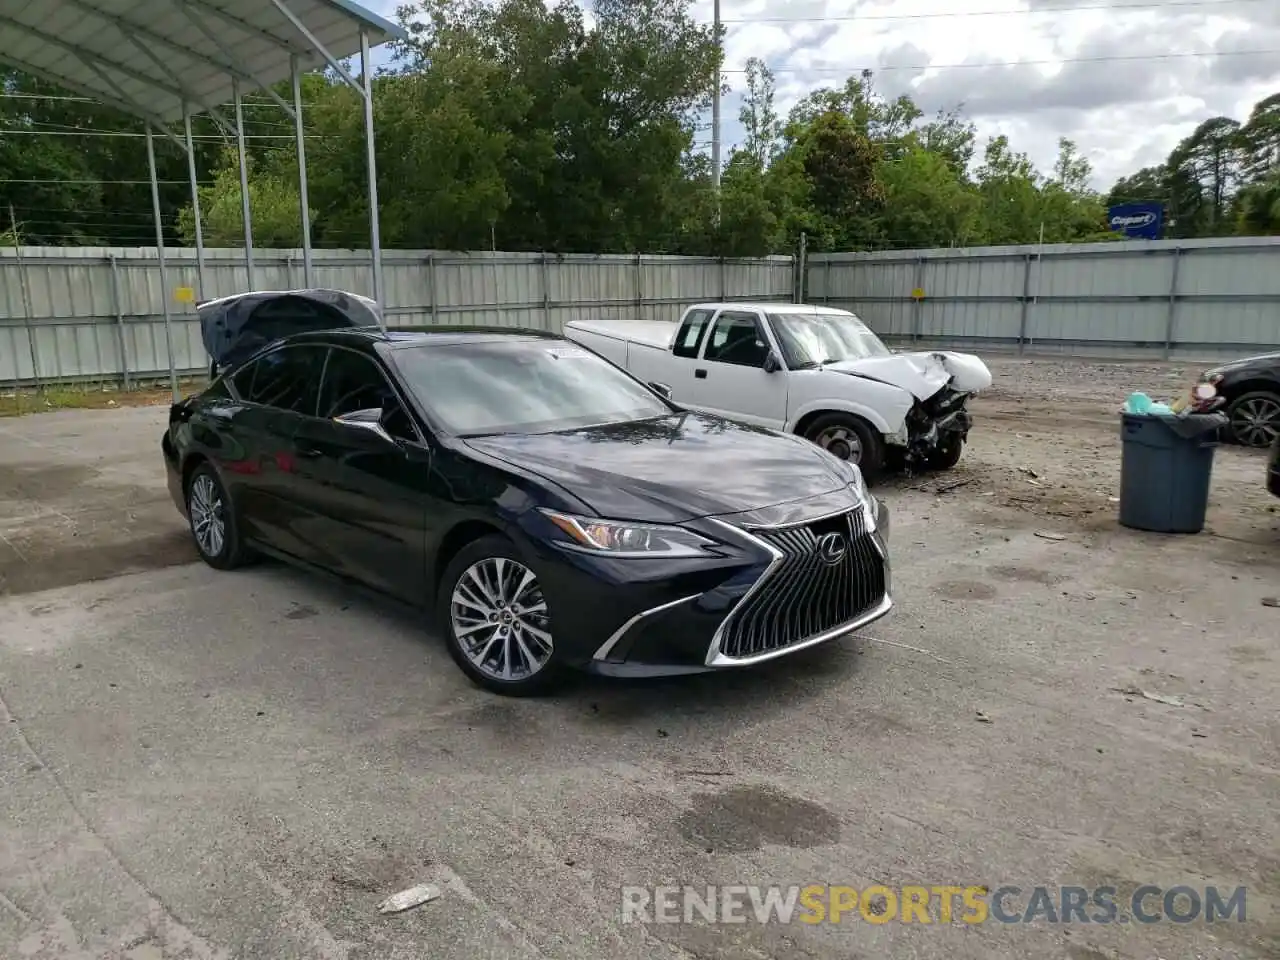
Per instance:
x=164, y=60
x=148, y=57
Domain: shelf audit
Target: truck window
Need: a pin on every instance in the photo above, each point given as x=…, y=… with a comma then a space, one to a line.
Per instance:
x=737, y=338
x=690, y=334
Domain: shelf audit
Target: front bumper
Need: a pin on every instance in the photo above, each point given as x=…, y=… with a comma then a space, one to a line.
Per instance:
x=768, y=596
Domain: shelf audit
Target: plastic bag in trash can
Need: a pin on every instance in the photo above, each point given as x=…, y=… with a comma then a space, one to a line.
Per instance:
x=1141, y=404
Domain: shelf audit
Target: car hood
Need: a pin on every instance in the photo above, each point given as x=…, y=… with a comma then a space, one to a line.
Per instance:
x=1265, y=360
x=674, y=468
x=921, y=374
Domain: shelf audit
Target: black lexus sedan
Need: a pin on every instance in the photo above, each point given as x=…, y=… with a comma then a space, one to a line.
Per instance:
x=545, y=507
x=1251, y=388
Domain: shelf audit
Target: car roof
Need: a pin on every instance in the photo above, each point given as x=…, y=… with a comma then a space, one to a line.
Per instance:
x=396, y=337
x=766, y=306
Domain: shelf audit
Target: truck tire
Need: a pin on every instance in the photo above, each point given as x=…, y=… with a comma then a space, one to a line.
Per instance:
x=947, y=454
x=849, y=438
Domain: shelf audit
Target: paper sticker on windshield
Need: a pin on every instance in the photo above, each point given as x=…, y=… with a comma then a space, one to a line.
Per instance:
x=568, y=353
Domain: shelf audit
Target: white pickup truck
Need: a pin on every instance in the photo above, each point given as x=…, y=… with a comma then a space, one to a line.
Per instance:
x=811, y=370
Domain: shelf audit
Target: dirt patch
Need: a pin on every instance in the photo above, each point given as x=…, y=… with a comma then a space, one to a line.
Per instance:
x=1045, y=454
x=74, y=562
x=90, y=397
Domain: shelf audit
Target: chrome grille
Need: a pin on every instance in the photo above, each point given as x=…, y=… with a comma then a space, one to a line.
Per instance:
x=805, y=595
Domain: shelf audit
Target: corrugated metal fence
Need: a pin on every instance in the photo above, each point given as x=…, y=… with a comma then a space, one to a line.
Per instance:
x=89, y=313
x=1184, y=298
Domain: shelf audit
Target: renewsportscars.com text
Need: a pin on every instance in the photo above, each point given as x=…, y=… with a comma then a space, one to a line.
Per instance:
x=943, y=904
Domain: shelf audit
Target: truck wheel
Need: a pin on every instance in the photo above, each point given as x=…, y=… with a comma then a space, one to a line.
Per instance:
x=947, y=453
x=849, y=438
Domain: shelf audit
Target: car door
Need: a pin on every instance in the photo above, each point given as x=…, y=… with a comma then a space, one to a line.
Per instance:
x=730, y=379
x=363, y=486
x=276, y=392
x=684, y=355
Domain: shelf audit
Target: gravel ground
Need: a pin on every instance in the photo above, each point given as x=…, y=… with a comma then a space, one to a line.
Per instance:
x=1047, y=445
x=217, y=766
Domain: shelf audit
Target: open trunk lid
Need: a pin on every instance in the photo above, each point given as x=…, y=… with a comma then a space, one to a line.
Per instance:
x=234, y=328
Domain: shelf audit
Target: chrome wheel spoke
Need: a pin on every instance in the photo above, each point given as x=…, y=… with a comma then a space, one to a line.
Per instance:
x=503, y=596
x=207, y=512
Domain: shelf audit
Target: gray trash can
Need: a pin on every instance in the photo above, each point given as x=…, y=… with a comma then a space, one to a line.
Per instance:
x=1165, y=466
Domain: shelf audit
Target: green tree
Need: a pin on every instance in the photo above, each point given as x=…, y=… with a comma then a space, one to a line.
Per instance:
x=273, y=209
x=759, y=115
x=927, y=203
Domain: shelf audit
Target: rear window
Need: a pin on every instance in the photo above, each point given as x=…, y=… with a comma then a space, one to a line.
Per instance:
x=522, y=386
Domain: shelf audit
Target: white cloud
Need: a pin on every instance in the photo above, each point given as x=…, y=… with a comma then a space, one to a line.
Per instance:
x=1123, y=113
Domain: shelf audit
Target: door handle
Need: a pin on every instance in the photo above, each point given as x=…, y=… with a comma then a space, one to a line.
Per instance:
x=309, y=453
x=700, y=374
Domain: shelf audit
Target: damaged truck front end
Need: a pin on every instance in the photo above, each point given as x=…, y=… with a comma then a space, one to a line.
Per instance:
x=936, y=387
x=936, y=431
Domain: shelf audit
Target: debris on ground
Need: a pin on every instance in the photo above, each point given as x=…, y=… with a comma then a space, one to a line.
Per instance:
x=1271, y=601
x=982, y=717
x=1132, y=691
x=408, y=899
x=1045, y=535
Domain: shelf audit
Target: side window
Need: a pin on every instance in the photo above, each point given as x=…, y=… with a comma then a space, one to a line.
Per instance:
x=288, y=378
x=690, y=333
x=353, y=382
x=737, y=338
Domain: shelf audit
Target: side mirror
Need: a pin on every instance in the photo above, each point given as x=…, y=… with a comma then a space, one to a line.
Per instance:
x=771, y=363
x=369, y=419
x=661, y=389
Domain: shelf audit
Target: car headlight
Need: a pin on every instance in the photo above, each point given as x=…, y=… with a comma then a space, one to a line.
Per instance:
x=621, y=538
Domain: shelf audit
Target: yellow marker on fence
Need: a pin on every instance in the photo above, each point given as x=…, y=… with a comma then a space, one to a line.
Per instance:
x=917, y=293
x=185, y=295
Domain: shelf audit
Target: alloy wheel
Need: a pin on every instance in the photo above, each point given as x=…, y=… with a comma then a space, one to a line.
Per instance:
x=1256, y=421
x=208, y=516
x=499, y=617
x=842, y=442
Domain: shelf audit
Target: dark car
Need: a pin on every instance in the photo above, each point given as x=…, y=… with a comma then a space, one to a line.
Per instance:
x=1251, y=388
x=551, y=510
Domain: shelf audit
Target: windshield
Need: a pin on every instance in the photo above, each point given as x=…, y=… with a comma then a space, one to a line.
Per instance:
x=522, y=386
x=808, y=339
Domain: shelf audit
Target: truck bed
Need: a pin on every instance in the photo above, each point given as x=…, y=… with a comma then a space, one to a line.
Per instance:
x=642, y=347
x=650, y=333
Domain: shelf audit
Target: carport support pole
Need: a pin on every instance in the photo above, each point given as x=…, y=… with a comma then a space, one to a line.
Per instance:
x=195, y=199
x=160, y=261
x=366, y=79
x=244, y=185
x=304, y=201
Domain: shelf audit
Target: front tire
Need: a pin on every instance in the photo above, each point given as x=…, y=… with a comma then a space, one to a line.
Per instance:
x=495, y=620
x=1255, y=418
x=947, y=454
x=212, y=519
x=851, y=439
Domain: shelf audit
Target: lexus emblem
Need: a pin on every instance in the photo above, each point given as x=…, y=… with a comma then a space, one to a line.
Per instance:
x=831, y=548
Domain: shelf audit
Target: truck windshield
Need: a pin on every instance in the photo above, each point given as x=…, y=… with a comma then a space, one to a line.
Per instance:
x=481, y=388
x=808, y=339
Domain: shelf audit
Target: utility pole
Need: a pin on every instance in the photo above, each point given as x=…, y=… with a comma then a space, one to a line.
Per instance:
x=715, y=112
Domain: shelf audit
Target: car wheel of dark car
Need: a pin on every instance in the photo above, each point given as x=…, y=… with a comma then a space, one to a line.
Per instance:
x=1255, y=418
x=495, y=619
x=213, y=522
x=947, y=454
x=849, y=438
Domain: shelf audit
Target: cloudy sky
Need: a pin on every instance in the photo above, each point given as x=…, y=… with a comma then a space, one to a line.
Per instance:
x=1125, y=79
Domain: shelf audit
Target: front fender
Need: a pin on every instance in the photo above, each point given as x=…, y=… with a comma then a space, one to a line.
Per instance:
x=889, y=415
